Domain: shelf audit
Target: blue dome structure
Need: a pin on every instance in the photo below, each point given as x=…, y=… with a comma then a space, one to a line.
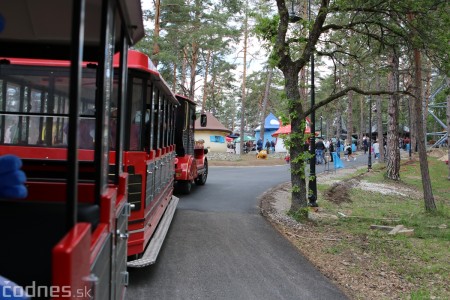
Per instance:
x=271, y=124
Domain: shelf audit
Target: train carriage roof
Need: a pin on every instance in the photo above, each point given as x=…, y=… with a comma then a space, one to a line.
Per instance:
x=139, y=61
x=42, y=28
x=185, y=99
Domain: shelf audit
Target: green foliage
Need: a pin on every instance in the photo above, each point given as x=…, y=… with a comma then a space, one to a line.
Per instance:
x=299, y=215
x=189, y=30
x=266, y=28
x=256, y=83
x=421, y=258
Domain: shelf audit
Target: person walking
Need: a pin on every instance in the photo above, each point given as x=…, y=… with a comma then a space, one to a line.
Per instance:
x=348, y=150
x=338, y=147
x=331, y=149
x=376, y=149
x=365, y=144
x=259, y=144
x=320, y=148
x=268, y=145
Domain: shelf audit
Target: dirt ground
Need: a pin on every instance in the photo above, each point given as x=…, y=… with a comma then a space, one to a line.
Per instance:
x=250, y=160
x=353, y=271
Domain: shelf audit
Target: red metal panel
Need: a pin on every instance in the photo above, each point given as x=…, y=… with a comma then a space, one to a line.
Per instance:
x=38, y=191
x=186, y=168
x=44, y=152
x=71, y=263
x=122, y=192
x=98, y=239
x=107, y=207
x=152, y=220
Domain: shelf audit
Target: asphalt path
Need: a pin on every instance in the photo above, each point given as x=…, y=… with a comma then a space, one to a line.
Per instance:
x=220, y=247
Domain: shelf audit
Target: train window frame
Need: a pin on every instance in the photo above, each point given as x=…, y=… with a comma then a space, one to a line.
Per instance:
x=136, y=113
x=151, y=117
x=157, y=117
x=42, y=91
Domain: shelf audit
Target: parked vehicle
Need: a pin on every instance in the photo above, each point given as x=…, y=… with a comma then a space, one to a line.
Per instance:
x=191, y=163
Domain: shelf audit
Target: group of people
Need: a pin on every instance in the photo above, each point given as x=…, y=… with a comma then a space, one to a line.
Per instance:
x=268, y=146
x=375, y=147
x=404, y=143
x=324, y=146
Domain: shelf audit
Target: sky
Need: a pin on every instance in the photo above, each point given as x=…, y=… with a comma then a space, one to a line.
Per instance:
x=256, y=55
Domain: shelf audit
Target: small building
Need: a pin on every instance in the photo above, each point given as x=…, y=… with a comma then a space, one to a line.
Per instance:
x=214, y=134
x=282, y=132
x=271, y=124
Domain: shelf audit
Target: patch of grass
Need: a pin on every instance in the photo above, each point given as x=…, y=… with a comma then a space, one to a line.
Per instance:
x=423, y=258
x=336, y=249
x=420, y=295
x=300, y=215
x=438, y=174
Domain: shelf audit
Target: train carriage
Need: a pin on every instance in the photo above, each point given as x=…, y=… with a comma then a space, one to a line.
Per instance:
x=102, y=143
x=150, y=110
x=68, y=238
x=191, y=164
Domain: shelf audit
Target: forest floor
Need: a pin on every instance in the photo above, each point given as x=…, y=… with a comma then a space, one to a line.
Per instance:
x=337, y=239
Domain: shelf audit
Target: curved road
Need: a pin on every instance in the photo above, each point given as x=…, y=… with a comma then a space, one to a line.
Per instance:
x=220, y=247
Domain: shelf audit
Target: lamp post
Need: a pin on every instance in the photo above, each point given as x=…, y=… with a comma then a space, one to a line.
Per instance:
x=312, y=167
x=321, y=134
x=369, y=163
x=410, y=137
x=293, y=18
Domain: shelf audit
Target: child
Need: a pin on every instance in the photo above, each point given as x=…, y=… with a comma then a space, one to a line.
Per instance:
x=348, y=150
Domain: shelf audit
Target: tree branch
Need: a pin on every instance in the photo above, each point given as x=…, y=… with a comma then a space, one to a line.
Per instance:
x=345, y=91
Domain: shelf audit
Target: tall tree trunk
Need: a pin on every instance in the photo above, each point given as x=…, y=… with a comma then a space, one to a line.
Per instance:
x=295, y=141
x=426, y=180
x=303, y=9
x=213, y=88
x=264, y=103
x=339, y=105
x=244, y=78
x=174, y=81
x=448, y=128
x=412, y=115
x=350, y=111
x=194, y=62
x=195, y=49
x=205, y=82
x=184, y=68
x=297, y=115
x=156, y=48
x=327, y=125
x=303, y=86
x=362, y=130
x=338, y=124
x=380, y=122
x=426, y=96
x=393, y=152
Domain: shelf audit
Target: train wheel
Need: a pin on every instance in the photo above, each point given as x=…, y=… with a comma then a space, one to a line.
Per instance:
x=184, y=187
x=201, y=180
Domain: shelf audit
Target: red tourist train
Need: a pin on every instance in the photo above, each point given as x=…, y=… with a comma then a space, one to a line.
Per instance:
x=102, y=145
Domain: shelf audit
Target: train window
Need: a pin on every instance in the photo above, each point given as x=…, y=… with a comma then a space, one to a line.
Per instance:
x=186, y=117
x=34, y=106
x=136, y=115
x=149, y=118
x=163, y=122
x=86, y=131
x=156, y=118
